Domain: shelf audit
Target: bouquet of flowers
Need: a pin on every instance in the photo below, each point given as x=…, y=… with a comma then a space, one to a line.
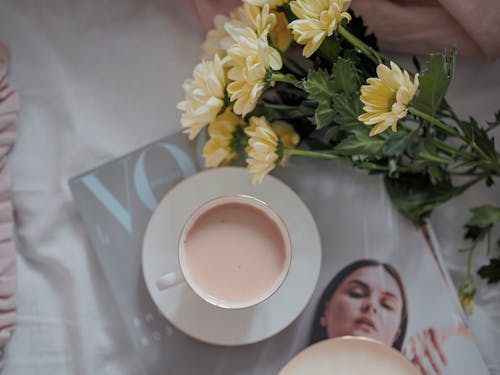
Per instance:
x=282, y=78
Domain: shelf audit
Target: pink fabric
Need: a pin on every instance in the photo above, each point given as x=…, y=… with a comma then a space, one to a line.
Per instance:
x=9, y=107
x=414, y=26
x=420, y=27
x=206, y=10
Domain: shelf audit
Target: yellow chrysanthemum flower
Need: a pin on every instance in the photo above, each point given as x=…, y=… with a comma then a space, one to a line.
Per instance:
x=218, y=149
x=273, y=4
x=280, y=34
x=265, y=145
x=467, y=305
x=251, y=57
x=262, y=148
x=287, y=135
x=466, y=293
x=317, y=19
x=261, y=20
x=218, y=40
x=386, y=98
x=204, y=96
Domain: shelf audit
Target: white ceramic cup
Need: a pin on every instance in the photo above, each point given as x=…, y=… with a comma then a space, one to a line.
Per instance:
x=182, y=275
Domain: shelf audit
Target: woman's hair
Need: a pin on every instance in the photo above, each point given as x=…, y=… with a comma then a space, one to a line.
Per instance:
x=319, y=332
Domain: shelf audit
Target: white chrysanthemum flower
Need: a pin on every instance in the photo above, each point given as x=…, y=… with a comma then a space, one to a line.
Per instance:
x=316, y=20
x=251, y=58
x=259, y=19
x=386, y=98
x=218, y=40
x=204, y=96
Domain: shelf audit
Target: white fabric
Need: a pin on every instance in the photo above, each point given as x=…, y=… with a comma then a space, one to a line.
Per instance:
x=97, y=79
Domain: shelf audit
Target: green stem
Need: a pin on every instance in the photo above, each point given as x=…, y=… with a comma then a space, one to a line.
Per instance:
x=376, y=167
x=280, y=77
x=312, y=154
x=448, y=129
x=331, y=156
x=364, y=48
x=450, y=150
x=468, y=275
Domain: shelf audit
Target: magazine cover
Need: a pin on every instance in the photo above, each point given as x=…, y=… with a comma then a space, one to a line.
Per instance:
x=379, y=277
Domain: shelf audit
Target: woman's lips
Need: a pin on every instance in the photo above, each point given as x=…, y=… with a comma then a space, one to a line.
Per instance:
x=365, y=324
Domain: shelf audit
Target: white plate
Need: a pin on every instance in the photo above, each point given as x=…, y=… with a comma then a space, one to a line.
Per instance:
x=197, y=318
x=349, y=355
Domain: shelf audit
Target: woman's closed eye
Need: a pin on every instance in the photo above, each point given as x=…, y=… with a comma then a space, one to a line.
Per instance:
x=357, y=292
x=389, y=303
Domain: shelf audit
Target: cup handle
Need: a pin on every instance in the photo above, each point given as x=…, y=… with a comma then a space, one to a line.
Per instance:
x=169, y=280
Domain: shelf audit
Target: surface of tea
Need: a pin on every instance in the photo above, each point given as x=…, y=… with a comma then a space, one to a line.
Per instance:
x=235, y=252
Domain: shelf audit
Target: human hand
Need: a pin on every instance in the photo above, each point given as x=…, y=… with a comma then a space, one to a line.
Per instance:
x=425, y=351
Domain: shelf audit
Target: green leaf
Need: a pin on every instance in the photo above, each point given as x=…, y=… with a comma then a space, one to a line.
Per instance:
x=495, y=122
x=319, y=84
x=482, y=220
x=474, y=134
x=468, y=129
x=324, y=115
x=434, y=82
x=332, y=133
x=346, y=101
x=484, y=216
x=346, y=77
x=485, y=143
x=346, y=110
x=415, y=195
x=397, y=143
x=360, y=143
x=491, y=271
x=320, y=88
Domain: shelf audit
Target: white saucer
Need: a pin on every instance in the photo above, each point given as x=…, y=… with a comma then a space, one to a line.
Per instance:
x=197, y=318
x=349, y=355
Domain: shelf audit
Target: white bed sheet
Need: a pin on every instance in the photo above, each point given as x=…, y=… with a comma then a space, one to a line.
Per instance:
x=97, y=79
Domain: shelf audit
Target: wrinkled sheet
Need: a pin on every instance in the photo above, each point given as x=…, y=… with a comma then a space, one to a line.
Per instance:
x=9, y=108
x=96, y=80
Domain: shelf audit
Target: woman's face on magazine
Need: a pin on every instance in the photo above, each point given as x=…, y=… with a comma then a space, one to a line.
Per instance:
x=367, y=303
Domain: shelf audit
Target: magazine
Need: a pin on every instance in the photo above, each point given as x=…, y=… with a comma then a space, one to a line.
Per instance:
x=373, y=261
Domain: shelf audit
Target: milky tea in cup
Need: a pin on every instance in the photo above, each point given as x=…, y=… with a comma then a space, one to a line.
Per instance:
x=234, y=252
